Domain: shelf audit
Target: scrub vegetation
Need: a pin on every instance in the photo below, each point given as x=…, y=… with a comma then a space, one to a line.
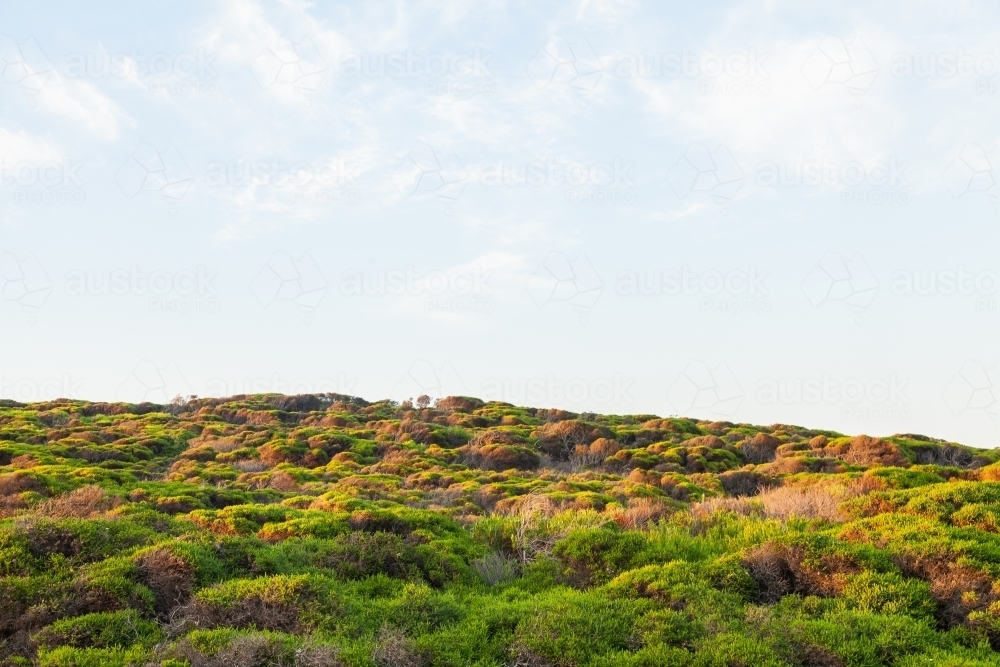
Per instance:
x=325, y=530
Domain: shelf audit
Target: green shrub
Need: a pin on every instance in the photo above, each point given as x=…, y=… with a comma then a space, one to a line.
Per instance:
x=119, y=629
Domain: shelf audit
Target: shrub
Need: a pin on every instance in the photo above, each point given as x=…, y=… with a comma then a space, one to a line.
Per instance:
x=781, y=569
x=496, y=568
x=395, y=649
x=120, y=629
x=170, y=577
x=358, y=555
x=496, y=456
x=559, y=439
x=87, y=501
x=760, y=448
x=670, y=627
x=744, y=482
x=890, y=593
x=573, y=628
x=810, y=503
x=229, y=649
x=266, y=603
x=595, y=556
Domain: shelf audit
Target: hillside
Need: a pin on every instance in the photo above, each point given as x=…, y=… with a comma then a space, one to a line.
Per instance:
x=327, y=530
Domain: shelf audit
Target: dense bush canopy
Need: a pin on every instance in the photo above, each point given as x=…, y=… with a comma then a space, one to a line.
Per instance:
x=326, y=530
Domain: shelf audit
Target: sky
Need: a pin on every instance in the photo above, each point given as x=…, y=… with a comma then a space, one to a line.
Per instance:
x=766, y=212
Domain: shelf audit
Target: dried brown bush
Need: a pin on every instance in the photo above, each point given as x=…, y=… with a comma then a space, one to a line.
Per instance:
x=241, y=652
x=394, y=649
x=760, y=448
x=523, y=657
x=24, y=461
x=741, y=506
x=584, y=456
x=318, y=655
x=640, y=476
x=19, y=482
x=458, y=404
x=711, y=441
x=559, y=439
x=658, y=425
x=769, y=566
x=791, y=465
x=250, y=465
x=220, y=444
x=11, y=506
x=745, y=482
x=604, y=447
x=810, y=503
x=532, y=533
x=818, y=441
x=86, y=502
x=44, y=538
x=248, y=613
x=779, y=503
x=957, y=589
x=865, y=450
x=499, y=456
x=494, y=437
x=170, y=577
x=781, y=569
x=811, y=655
x=641, y=512
x=948, y=454
x=282, y=481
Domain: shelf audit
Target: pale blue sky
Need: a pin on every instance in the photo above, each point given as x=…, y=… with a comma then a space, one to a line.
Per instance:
x=769, y=212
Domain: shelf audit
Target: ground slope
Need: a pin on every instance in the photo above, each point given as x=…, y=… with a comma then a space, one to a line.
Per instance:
x=327, y=530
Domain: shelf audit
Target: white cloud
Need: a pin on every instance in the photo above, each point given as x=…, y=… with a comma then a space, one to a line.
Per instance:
x=84, y=107
x=17, y=147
